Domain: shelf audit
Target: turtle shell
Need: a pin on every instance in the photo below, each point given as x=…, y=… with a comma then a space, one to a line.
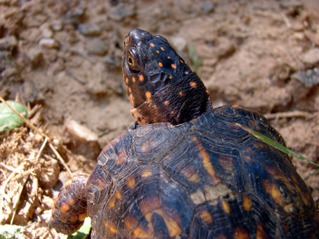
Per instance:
x=206, y=178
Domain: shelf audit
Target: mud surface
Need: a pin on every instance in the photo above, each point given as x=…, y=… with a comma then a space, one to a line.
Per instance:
x=65, y=56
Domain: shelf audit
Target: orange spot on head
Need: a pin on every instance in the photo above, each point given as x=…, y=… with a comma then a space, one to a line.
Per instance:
x=160, y=64
x=193, y=84
x=186, y=72
x=170, y=77
x=157, y=51
x=141, y=78
x=148, y=95
x=162, y=48
x=173, y=66
x=152, y=44
x=166, y=102
x=65, y=208
x=168, y=57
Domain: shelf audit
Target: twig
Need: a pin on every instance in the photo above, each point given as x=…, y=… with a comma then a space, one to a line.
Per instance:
x=291, y=114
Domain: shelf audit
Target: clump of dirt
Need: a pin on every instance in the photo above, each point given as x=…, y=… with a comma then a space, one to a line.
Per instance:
x=66, y=57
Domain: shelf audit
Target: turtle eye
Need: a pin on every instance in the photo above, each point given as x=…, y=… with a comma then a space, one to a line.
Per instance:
x=132, y=60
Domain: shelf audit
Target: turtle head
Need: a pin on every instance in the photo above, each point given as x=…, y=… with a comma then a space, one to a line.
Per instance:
x=159, y=81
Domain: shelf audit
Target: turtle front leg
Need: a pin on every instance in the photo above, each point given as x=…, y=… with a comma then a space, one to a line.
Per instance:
x=70, y=207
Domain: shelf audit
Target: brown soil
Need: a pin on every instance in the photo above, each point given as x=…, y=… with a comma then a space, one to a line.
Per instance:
x=65, y=56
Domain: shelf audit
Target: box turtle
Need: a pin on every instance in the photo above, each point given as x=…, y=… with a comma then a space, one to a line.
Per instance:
x=185, y=170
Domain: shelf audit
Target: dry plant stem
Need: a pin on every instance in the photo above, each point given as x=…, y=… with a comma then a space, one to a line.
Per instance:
x=9, y=168
x=41, y=149
x=42, y=134
x=292, y=114
x=16, y=203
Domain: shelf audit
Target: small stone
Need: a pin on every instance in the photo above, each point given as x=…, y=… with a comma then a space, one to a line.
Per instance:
x=96, y=47
x=74, y=16
x=207, y=7
x=84, y=141
x=308, y=78
x=8, y=43
x=90, y=29
x=179, y=43
x=49, y=43
x=121, y=12
x=57, y=26
x=35, y=56
x=311, y=57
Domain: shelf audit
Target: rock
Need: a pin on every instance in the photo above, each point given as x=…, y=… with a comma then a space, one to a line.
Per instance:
x=8, y=43
x=96, y=46
x=49, y=43
x=308, y=78
x=90, y=29
x=121, y=12
x=83, y=140
x=207, y=7
x=74, y=16
x=311, y=57
x=57, y=26
x=179, y=43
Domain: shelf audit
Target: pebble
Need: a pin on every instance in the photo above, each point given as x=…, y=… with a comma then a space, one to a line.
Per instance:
x=49, y=43
x=121, y=12
x=74, y=16
x=207, y=7
x=8, y=43
x=311, y=57
x=308, y=78
x=90, y=29
x=57, y=26
x=179, y=43
x=96, y=46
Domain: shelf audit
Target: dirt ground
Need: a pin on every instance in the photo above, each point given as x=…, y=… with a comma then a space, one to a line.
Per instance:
x=62, y=58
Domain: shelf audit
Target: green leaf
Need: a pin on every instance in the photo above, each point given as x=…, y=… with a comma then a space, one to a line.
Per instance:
x=9, y=119
x=83, y=232
x=276, y=145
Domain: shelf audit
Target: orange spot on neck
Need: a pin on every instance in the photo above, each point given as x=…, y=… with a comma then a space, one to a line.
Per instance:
x=173, y=66
x=148, y=95
x=141, y=78
x=193, y=84
x=152, y=44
